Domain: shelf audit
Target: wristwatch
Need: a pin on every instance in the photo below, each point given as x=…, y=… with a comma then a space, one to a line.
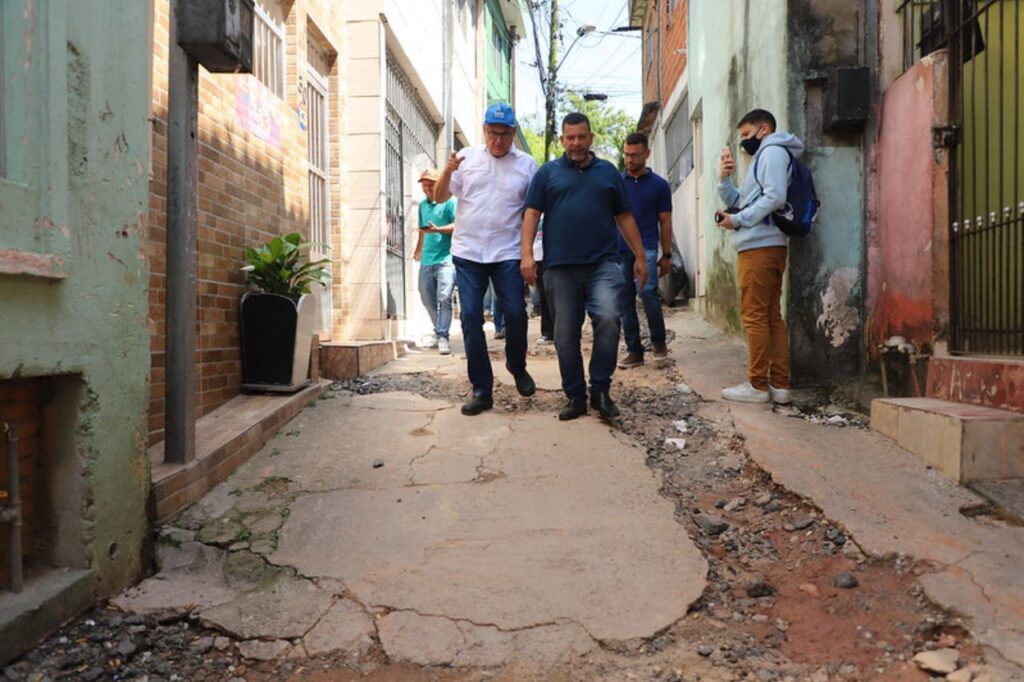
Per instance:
x=665, y=256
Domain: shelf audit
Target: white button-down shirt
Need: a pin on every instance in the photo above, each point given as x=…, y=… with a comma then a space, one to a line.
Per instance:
x=492, y=195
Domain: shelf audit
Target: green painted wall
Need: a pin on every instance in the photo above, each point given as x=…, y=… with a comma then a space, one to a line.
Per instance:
x=770, y=54
x=76, y=92
x=731, y=71
x=498, y=51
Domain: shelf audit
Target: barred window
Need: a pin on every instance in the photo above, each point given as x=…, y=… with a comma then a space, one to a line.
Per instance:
x=268, y=46
x=679, y=145
x=650, y=39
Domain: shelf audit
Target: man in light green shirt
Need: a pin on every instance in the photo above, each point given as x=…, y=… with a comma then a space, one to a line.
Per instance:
x=434, y=252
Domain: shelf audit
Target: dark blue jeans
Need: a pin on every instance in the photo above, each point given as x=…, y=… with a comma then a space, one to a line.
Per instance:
x=471, y=279
x=574, y=291
x=648, y=296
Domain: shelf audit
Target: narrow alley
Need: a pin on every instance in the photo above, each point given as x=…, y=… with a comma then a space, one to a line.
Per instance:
x=512, y=340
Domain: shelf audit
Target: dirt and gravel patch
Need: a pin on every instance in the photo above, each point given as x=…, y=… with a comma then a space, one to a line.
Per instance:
x=790, y=595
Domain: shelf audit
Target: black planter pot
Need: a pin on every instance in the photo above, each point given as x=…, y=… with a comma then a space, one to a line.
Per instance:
x=276, y=336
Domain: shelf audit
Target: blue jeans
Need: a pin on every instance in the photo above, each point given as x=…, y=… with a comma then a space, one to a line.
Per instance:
x=648, y=296
x=472, y=279
x=573, y=291
x=436, y=285
x=491, y=304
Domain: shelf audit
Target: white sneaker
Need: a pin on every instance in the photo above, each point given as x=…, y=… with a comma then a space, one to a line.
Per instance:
x=745, y=393
x=779, y=395
x=443, y=347
x=544, y=341
x=430, y=341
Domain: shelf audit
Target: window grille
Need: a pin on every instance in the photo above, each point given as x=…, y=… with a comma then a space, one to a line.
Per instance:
x=679, y=145
x=268, y=49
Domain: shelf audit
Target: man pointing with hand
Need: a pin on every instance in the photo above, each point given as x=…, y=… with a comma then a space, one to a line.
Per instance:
x=490, y=181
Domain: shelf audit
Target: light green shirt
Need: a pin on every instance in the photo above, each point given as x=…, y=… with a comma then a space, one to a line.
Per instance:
x=437, y=248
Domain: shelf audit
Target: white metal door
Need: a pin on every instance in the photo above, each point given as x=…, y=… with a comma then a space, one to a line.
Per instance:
x=317, y=125
x=700, y=222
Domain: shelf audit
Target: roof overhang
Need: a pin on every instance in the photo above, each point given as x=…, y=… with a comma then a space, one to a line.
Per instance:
x=512, y=11
x=637, y=12
x=649, y=114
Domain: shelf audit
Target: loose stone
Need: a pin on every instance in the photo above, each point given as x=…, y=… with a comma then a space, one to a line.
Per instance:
x=845, y=581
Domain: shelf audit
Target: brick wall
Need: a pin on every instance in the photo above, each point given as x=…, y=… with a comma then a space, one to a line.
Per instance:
x=671, y=22
x=21, y=403
x=252, y=185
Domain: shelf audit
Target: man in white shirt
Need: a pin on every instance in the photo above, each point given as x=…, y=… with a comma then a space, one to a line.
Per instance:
x=490, y=181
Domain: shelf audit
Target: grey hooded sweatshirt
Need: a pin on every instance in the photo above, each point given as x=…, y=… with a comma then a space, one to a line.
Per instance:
x=755, y=229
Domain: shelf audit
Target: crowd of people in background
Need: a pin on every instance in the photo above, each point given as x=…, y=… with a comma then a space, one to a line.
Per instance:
x=589, y=241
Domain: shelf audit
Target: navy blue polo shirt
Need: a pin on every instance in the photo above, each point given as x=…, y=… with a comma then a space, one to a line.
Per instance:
x=579, y=205
x=650, y=195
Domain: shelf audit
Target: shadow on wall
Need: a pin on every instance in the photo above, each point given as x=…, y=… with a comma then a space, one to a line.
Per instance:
x=245, y=197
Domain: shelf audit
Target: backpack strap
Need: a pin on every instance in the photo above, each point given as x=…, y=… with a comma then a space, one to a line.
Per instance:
x=792, y=163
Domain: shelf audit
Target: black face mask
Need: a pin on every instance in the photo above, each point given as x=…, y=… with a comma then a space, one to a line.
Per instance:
x=751, y=145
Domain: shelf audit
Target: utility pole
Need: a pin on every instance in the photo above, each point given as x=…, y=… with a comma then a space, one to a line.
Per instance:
x=552, y=85
x=182, y=124
x=548, y=72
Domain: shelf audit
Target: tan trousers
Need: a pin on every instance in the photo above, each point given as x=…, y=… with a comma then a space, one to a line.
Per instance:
x=761, y=272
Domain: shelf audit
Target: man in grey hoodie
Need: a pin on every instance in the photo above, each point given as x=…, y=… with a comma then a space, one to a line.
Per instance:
x=761, y=252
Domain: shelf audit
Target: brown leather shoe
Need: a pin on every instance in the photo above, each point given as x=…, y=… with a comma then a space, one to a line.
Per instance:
x=630, y=361
x=660, y=351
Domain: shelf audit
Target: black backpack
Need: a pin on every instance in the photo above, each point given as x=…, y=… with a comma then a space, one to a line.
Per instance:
x=800, y=212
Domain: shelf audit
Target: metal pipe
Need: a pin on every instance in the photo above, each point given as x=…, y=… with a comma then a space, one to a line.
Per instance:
x=180, y=358
x=11, y=514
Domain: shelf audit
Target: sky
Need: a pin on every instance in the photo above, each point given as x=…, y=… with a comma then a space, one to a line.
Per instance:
x=600, y=62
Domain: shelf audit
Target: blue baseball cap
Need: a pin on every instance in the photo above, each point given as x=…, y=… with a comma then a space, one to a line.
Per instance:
x=500, y=114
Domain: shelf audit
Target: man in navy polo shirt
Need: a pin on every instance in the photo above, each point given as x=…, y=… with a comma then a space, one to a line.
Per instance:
x=652, y=208
x=583, y=199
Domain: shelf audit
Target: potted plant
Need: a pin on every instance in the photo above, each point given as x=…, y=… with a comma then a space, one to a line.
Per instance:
x=278, y=319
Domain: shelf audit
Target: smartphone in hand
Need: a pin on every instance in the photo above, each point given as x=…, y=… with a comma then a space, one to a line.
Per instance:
x=428, y=226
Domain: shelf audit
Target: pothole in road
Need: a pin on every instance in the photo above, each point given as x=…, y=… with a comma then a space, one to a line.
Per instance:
x=790, y=594
x=773, y=608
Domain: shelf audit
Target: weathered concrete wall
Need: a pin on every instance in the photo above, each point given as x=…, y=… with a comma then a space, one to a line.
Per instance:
x=737, y=63
x=84, y=70
x=825, y=268
x=904, y=270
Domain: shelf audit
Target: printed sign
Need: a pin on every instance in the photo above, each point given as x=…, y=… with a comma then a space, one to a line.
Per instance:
x=256, y=109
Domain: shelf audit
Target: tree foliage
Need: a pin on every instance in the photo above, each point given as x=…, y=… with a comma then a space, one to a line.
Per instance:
x=609, y=124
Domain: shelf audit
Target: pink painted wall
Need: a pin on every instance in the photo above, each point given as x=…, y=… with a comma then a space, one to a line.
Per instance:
x=906, y=269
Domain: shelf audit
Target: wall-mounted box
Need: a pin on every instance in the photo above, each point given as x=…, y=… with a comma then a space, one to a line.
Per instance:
x=847, y=99
x=217, y=33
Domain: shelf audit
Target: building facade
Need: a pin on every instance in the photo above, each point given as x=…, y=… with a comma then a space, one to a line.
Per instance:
x=345, y=106
x=907, y=111
x=74, y=158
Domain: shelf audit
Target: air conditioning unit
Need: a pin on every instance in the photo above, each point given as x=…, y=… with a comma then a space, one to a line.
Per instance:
x=847, y=99
x=217, y=33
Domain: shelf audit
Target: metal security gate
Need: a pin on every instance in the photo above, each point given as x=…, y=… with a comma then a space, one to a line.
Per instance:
x=986, y=175
x=410, y=140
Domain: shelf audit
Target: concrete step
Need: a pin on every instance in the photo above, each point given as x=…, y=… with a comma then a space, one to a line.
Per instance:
x=965, y=442
x=350, y=359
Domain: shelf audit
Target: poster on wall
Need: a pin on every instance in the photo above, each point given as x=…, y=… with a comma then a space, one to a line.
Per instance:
x=256, y=110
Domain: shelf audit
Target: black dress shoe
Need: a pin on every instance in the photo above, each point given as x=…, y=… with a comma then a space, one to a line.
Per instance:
x=602, y=402
x=524, y=384
x=477, y=404
x=577, y=407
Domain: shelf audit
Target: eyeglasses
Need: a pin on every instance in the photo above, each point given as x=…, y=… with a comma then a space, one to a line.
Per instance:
x=501, y=136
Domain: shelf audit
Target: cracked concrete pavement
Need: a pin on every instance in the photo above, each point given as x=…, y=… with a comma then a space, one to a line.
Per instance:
x=508, y=538
x=889, y=500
